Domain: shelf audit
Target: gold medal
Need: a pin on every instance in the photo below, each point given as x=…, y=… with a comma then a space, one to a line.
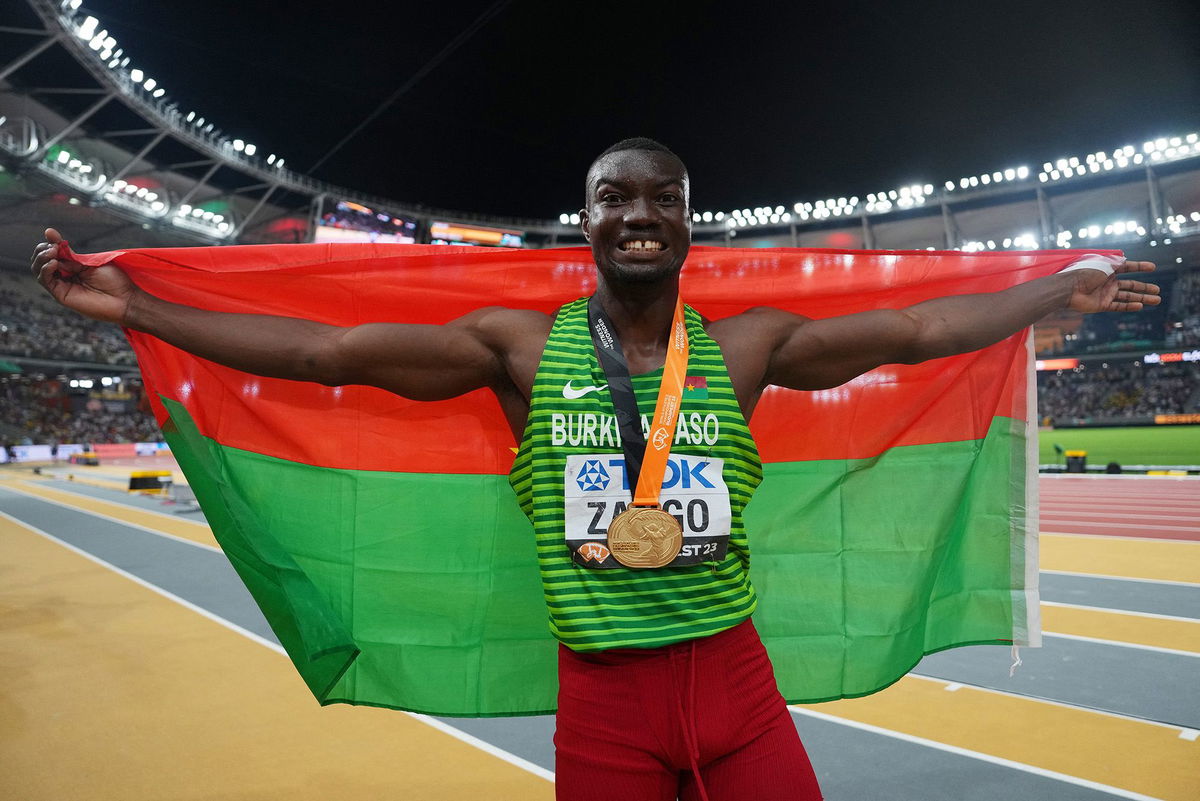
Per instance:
x=644, y=536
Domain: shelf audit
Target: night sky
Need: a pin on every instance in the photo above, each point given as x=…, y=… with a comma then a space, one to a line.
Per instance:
x=766, y=104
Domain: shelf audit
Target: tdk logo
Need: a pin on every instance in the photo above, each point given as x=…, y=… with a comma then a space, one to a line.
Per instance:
x=684, y=472
x=592, y=476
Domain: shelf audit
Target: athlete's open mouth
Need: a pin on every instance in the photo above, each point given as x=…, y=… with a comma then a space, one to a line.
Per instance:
x=642, y=246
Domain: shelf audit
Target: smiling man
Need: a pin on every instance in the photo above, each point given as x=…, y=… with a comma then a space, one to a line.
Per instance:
x=635, y=461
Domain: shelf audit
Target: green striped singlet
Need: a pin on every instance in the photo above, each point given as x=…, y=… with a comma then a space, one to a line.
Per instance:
x=596, y=609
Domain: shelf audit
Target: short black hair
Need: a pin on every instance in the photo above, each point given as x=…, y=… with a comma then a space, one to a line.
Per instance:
x=637, y=143
x=632, y=143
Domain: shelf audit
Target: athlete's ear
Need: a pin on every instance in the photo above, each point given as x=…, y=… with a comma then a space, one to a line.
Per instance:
x=585, y=224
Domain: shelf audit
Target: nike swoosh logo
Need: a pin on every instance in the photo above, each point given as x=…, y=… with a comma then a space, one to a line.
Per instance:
x=571, y=393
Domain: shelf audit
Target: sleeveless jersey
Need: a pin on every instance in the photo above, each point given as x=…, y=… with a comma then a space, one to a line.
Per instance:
x=571, y=417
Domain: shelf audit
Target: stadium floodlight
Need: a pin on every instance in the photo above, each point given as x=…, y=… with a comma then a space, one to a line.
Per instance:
x=87, y=29
x=112, y=65
x=779, y=209
x=136, y=75
x=575, y=219
x=250, y=149
x=720, y=215
x=1093, y=231
x=707, y=216
x=150, y=84
x=159, y=92
x=63, y=157
x=1022, y=173
x=239, y=145
x=74, y=4
x=563, y=218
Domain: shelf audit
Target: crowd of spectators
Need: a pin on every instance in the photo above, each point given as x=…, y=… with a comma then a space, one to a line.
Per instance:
x=33, y=325
x=37, y=412
x=1183, y=326
x=1118, y=391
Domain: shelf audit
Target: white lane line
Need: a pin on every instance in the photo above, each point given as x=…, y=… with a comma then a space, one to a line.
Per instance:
x=1109, y=577
x=1184, y=732
x=965, y=752
x=115, y=501
x=1111, y=611
x=458, y=734
x=112, y=519
x=1120, y=644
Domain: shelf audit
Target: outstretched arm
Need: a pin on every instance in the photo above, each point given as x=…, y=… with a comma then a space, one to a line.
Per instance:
x=423, y=362
x=815, y=354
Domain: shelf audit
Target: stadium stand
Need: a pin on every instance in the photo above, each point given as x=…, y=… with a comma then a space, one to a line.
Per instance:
x=145, y=170
x=33, y=325
x=1131, y=390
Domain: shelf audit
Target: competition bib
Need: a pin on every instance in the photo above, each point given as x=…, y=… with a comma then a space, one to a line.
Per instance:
x=597, y=489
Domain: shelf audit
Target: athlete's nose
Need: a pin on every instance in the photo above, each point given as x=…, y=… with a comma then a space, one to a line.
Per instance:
x=642, y=211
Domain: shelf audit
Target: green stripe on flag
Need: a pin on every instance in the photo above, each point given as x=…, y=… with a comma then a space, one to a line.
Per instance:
x=421, y=591
x=433, y=578
x=863, y=566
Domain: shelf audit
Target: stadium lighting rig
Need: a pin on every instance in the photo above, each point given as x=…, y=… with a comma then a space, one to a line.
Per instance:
x=104, y=46
x=88, y=176
x=142, y=200
x=1160, y=150
x=78, y=172
x=202, y=221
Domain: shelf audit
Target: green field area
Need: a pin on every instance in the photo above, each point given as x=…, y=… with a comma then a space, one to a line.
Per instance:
x=1127, y=446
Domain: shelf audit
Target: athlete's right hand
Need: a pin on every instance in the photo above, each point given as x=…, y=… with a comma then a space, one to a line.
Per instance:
x=102, y=293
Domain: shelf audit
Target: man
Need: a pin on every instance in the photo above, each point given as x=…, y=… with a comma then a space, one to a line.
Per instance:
x=643, y=620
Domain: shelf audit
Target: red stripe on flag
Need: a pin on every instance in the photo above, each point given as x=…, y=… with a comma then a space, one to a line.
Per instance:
x=363, y=428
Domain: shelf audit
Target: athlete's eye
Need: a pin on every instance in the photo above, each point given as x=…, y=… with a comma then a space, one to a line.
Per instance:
x=669, y=197
x=611, y=197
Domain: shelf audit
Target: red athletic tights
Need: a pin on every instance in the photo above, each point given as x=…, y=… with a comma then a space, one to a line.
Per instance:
x=641, y=724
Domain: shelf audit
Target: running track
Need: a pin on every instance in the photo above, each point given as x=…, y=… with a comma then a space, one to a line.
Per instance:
x=120, y=686
x=1158, y=507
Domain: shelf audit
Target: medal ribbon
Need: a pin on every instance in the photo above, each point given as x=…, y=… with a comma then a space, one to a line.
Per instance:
x=647, y=461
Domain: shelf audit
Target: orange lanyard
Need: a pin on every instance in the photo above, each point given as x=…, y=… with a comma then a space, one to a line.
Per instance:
x=666, y=412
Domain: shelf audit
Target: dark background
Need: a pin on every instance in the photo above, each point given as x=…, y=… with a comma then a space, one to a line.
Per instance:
x=766, y=104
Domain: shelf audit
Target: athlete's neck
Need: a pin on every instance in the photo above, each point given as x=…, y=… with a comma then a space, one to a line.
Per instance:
x=642, y=314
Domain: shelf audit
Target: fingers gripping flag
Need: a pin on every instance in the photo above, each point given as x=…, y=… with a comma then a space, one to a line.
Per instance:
x=896, y=516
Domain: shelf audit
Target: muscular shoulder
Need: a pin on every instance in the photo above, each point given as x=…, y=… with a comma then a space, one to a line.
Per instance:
x=757, y=331
x=747, y=342
x=516, y=336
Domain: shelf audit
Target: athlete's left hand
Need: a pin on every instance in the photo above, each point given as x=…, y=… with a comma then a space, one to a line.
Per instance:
x=1096, y=292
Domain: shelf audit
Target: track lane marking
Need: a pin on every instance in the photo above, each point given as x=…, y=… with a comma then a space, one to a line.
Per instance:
x=1185, y=732
x=1180, y=635
x=126, y=516
x=1172, y=560
x=1106, y=577
x=121, y=501
x=1112, y=611
x=1073, y=745
x=344, y=724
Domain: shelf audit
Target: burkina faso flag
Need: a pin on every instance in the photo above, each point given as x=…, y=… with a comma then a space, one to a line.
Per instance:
x=896, y=517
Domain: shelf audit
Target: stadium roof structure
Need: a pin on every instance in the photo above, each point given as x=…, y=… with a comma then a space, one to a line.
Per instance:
x=115, y=158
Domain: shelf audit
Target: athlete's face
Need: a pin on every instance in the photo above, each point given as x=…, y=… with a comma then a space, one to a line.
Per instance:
x=637, y=217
